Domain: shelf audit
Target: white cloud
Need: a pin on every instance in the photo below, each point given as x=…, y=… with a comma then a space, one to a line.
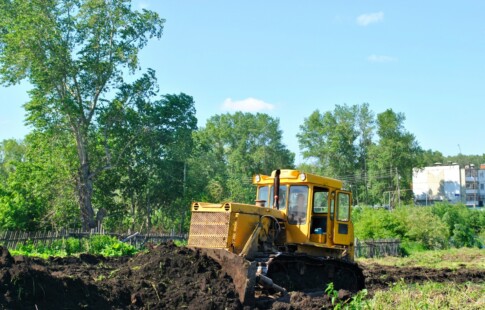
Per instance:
x=371, y=18
x=143, y=5
x=381, y=58
x=246, y=105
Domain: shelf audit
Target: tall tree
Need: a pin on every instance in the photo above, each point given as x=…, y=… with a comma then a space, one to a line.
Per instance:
x=391, y=161
x=230, y=149
x=337, y=141
x=155, y=139
x=73, y=53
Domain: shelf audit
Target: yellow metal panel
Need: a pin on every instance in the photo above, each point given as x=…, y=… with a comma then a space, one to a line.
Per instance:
x=209, y=229
x=243, y=228
x=343, y=230
x=319, y=238
x=297, y=233
x=288, y=176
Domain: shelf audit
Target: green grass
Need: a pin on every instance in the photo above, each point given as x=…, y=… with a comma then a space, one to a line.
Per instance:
x=180, y=242
x=430, y=296
x=97, y=245
x=451, y=258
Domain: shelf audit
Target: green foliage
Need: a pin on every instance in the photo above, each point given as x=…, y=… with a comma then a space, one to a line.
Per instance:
x=421, y=225
x=373, y=223
x=230, y=150
x=464, y=224
x=155, y=141
x=392, y=159
x=422, y=228
x=96, y=245
x=340, y=144
x=74, y=54
x=73, y=246
x=39, y=191
x=408, y=247
x=338, y=141
x=356, y=302
x=180, y=243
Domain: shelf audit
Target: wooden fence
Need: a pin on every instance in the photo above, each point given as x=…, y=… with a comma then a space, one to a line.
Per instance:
x=12, y=239
x=377, y=248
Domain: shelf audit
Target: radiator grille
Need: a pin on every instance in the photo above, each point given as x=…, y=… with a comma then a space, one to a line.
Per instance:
x=209, y=229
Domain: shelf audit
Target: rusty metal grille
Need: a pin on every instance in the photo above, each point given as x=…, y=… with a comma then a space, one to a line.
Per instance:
x=209, y=229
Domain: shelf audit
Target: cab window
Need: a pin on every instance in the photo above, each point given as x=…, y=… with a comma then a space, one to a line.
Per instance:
x=298, y=202
x=283, y=197
x=263, y=194
x=343, y=213
x=320, y=200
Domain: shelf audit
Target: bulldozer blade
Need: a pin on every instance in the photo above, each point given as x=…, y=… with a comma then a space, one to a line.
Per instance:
x=242, y=272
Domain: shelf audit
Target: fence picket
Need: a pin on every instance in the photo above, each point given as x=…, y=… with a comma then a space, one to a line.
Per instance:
x=13, y=239
x=377, y=248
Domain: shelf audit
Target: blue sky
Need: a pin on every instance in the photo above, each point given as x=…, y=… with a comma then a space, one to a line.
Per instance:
x=425, y=59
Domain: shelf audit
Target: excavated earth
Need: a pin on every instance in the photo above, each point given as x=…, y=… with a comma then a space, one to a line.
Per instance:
x=166, y=277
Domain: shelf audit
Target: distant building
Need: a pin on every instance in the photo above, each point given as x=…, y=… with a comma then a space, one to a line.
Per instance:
x=449, y=183
x=481, y=185
x=471, y=186
x=437, y=183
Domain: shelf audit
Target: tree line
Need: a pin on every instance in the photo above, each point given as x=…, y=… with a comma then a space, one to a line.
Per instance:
x=107, y=147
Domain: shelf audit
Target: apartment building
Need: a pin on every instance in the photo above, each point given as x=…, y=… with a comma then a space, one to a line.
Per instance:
x=481, y=185
x=450, y=183
x=437, y=183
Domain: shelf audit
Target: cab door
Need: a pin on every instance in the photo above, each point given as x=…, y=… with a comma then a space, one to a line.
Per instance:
x=343, y=230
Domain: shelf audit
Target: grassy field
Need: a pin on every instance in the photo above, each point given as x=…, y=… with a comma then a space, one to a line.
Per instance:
x=452, y=258
x=431, y=295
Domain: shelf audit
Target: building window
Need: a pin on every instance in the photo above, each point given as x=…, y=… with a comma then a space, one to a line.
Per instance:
x=481, y=187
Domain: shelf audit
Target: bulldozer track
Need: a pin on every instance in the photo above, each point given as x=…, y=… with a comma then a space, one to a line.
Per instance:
x=299, y=272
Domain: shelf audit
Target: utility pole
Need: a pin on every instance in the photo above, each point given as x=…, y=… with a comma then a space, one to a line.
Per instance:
x=398, y=188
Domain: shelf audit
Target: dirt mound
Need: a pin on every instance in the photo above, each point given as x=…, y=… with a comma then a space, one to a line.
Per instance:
x=175, y=278
x=166, y=277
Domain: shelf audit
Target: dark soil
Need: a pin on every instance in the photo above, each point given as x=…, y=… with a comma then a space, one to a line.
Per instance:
x=166, y=277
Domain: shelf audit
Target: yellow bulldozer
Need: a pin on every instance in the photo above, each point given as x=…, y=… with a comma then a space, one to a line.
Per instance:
x=297, y=236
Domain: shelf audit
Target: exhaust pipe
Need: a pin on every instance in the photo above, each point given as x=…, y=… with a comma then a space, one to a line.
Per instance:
x=276, y=190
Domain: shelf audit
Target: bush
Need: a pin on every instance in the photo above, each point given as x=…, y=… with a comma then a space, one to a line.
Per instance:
x=413, y=225
x=424, y=227
x=373, y=223
x=464, y=224
x=410, y=247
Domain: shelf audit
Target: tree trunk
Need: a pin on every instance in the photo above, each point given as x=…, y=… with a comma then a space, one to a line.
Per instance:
x=85, y=182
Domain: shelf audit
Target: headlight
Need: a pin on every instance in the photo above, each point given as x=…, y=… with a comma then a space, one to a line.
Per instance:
x=257, y=178
x=302, y=176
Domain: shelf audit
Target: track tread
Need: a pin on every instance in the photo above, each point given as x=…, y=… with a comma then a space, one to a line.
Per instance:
x=302, y=272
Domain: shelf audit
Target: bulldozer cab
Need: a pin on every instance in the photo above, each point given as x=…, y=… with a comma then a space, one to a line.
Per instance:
x=317, y=209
